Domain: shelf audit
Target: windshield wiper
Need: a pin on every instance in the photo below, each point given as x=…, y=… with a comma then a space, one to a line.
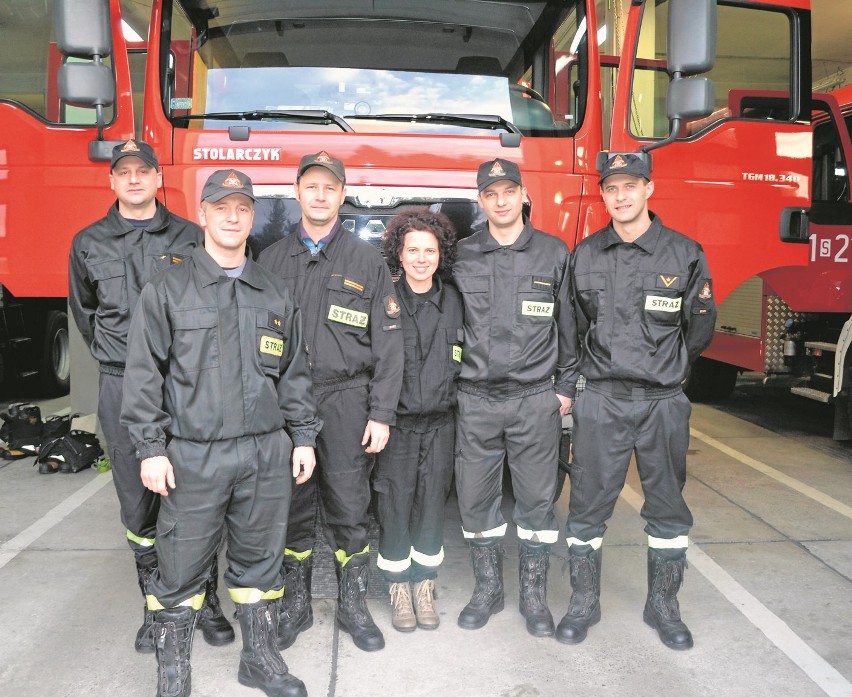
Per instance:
x=306, y=115
x=490, y=121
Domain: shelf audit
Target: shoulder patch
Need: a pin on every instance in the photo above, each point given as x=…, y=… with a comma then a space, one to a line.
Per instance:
x=391, y=307
x=705, y=293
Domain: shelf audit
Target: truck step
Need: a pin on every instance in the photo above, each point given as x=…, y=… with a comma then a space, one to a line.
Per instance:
x=821, y=345
x=810, y=393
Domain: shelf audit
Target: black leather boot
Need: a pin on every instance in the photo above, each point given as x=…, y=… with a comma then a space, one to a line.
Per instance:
x=173, y=630
x=145, y=636
x=353, y=615
x=261, y=664
x=662, y=610
x=295, y=613
x=533, y=563
x=584, y=608
x=215, y=629
x=487, y=598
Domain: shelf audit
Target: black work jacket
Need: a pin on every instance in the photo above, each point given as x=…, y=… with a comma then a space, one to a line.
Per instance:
x=432, y=332
x=350, y=314
x=518, y=319
x=110, y=263
x=209, y=360
x=645, y=309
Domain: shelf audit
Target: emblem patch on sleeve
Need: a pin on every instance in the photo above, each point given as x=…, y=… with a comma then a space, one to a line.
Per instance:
x=272, y=345
x=391, y=306
x=705, y=294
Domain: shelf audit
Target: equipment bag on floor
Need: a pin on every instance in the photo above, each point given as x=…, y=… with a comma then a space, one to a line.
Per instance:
x=71, y=453
x=21, y=430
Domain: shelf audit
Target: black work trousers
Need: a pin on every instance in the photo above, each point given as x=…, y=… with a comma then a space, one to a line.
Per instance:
x=608, y=429
x=138, y=506
x=524, y=429
x=342, y=476
x=413, y=477
x=244, y=482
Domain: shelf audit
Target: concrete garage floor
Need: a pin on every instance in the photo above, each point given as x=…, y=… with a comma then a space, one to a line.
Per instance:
x=768, y=595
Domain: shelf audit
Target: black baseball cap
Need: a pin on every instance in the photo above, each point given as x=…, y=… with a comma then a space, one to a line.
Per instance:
x=224, y=182
x=322, y=159
x=625, y=164
x=497, y=170
x=134, y=148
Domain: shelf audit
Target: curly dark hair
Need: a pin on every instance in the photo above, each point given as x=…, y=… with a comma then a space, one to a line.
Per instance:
x=423, y=220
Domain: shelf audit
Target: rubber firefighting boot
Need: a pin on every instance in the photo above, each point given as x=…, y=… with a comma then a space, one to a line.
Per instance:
x=145, y=636
x=261, y=664
x=353, y=615
x=215, y=629
x=662, y=610
x=584, y=608
x=533, y=563
x=173, y=630
x=487, y=598
x=295, y=613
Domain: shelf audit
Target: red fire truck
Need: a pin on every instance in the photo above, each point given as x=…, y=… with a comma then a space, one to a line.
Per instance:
x=795, y=320
x=412, y=96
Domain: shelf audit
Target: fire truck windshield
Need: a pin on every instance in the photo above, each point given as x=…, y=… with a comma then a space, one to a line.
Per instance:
x=378, y=69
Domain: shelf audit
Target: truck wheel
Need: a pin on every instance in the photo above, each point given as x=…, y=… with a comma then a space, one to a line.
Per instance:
x=699, y=380
x=55, y=370
x=724, y=382
x=710, y=381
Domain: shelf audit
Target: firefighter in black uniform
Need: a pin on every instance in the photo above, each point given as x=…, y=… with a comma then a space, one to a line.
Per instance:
x=645, y=311
x=354, y=345
x=415, y=470
x=516, y=382
x=218, y=396
x=110, y=262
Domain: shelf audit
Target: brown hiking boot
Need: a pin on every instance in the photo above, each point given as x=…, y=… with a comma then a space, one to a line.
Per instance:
x=403, y=611
x=424, y=604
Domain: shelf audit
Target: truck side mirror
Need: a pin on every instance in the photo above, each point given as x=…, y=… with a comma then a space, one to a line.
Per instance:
x=691, y=37
x=82, y=27
x=690, y=98
x=87, y=85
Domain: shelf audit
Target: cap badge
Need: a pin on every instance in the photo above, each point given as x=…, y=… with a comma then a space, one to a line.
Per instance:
x=618, y=162
x=323, y=158
x=497, y=170
x=232, y=181
x=130, y=146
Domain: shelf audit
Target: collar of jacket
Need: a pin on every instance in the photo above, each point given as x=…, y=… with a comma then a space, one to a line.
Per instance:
x=647, y=241
x=299, y=246
x=489, y=244
x=120, y=226
x=409, y=299
x=209, y=271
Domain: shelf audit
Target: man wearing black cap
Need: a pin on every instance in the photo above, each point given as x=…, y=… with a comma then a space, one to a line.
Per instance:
x=111, y=260
x=517, y=380
x=645, y=311
x=219, y=405
x=354, y=341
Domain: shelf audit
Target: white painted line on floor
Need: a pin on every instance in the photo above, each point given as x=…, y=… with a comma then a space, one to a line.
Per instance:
x=785, y=479
x=9, y=550
x=776, y=630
